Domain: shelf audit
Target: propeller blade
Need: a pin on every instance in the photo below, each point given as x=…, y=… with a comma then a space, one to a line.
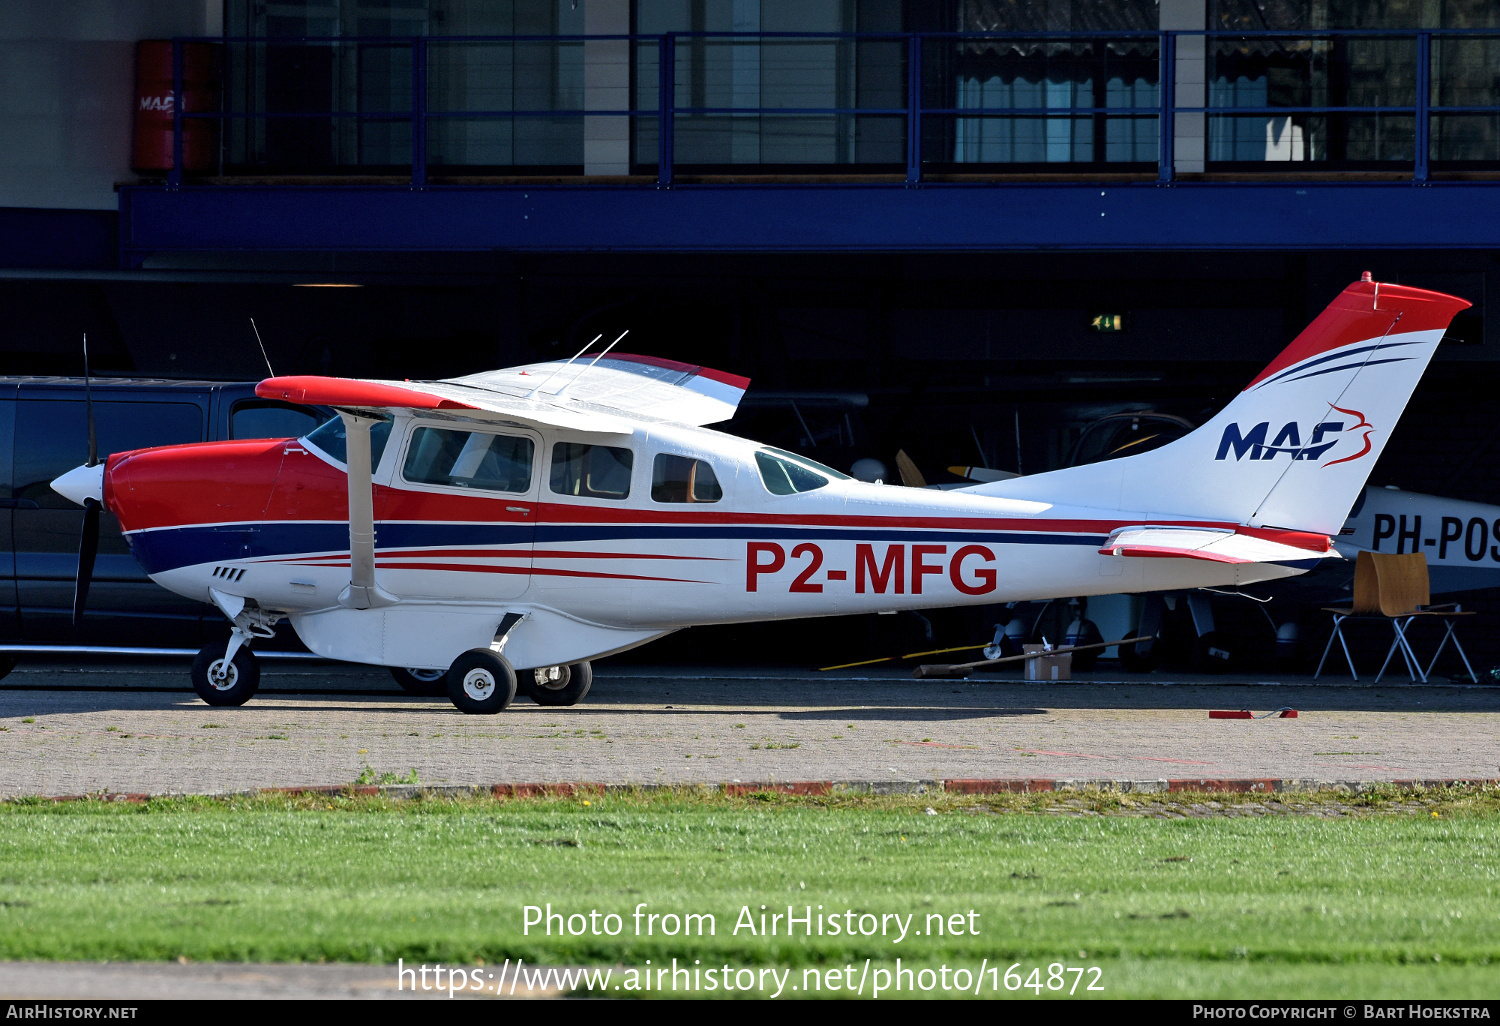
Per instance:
x=88, y=548
x=911, y=477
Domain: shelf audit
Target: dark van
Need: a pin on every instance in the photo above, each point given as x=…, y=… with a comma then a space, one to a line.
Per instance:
x=44, y=432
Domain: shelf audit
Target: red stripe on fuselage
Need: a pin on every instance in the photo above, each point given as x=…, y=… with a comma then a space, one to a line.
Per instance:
x=476, y=568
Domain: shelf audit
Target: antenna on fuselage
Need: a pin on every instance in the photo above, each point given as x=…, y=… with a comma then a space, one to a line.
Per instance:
x=595, y=360
x=565, y=365
x=262, y=345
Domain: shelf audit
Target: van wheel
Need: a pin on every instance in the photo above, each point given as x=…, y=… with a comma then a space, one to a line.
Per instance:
x=559, y=685
x=428, y=683
x=221, y=683
x=481, y=682
x=1132, y=660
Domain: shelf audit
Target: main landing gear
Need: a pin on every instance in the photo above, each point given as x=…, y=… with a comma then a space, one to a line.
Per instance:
x=482, y=682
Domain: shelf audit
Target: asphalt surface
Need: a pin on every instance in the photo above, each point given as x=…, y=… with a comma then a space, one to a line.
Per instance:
x=120, y=725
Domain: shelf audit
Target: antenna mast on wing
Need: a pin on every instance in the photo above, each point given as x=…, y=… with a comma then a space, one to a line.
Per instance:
x=565, y=365
x=262, y=345
x=595, y=360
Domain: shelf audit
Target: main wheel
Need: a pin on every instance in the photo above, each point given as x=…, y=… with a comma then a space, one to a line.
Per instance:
x=558, y=685
x=222, y=682
x=421, y=682
x=481, y=682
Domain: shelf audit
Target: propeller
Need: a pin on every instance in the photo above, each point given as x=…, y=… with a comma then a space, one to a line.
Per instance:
x=911, y=477
x=88, y=538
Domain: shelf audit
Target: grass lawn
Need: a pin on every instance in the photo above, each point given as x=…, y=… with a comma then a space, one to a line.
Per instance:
x=1383, y=896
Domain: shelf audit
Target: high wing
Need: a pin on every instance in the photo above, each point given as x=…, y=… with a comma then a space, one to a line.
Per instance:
x=1218, y=545
x=583, y=395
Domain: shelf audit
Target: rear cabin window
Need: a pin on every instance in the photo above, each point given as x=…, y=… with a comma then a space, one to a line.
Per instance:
x=683, y=479
x=591, y=471
x=469, y=459
x=784, y=476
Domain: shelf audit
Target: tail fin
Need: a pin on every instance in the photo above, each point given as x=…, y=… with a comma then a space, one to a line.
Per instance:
x=1294, y=449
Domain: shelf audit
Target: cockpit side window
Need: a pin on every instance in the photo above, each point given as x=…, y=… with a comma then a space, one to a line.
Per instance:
x=469, y=459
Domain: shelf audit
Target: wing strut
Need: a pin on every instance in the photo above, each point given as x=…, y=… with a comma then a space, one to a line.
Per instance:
x=363, y=592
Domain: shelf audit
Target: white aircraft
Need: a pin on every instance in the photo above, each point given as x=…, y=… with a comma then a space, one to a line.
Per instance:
x=540, y=517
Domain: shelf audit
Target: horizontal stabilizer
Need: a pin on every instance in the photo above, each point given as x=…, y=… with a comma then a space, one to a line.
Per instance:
x=1217, y=545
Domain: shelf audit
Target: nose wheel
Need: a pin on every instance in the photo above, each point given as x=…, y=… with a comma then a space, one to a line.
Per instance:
x=225, y=681
x=481, y=682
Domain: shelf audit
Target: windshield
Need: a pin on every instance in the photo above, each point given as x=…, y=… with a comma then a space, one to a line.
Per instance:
x=329, y=439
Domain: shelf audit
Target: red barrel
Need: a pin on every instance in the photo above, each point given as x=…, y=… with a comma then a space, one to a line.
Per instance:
x=153, y=105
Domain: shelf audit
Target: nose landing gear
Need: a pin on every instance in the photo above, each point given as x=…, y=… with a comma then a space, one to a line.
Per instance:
x=224, y=679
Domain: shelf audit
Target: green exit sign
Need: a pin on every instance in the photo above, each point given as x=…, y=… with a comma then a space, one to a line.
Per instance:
x=1107, y=322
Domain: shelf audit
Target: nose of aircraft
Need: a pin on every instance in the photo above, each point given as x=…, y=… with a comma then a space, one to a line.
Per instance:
x=81, y=483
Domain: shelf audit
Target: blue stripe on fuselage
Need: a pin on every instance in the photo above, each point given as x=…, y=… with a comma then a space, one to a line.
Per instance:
x=169, y=548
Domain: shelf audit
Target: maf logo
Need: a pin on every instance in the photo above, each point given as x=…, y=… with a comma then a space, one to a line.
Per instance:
x=1288, y=440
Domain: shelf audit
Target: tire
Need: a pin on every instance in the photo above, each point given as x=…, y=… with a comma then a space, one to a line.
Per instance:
x=428, y=683
x=568, y=688
x=481, y=683
x=1133, y=661
x=7, y=663
x=240, y=682
x=1083, y=632
x=1212, y=653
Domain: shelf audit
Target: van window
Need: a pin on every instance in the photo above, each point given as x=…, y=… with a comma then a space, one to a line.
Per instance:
x=469, y=459
x=683, y=479
x=266, y=418
x=330, y=439
x=591, y=471
x=52, y=437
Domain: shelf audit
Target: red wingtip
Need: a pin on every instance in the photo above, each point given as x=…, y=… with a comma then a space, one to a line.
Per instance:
x=314, y=388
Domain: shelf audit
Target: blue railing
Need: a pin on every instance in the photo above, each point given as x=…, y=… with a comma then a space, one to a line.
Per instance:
x=1166, y=114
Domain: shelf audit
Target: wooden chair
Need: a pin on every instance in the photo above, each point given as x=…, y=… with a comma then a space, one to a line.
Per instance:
x=1394, y=587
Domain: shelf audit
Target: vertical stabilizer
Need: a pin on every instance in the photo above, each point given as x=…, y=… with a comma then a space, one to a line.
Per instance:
x=1295, y=448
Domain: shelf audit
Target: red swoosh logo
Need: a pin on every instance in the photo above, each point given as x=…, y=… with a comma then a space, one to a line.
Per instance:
x=1362, y=424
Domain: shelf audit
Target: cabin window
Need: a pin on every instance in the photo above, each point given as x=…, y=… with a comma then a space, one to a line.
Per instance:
x=591, y=471
x=329, y=438
x=683, y=479
x=469, y=459
x=785, y=476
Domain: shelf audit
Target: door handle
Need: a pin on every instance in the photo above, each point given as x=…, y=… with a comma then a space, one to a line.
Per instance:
x=518, y=509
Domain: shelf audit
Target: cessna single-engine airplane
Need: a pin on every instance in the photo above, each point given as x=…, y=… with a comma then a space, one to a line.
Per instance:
x=540, y=517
